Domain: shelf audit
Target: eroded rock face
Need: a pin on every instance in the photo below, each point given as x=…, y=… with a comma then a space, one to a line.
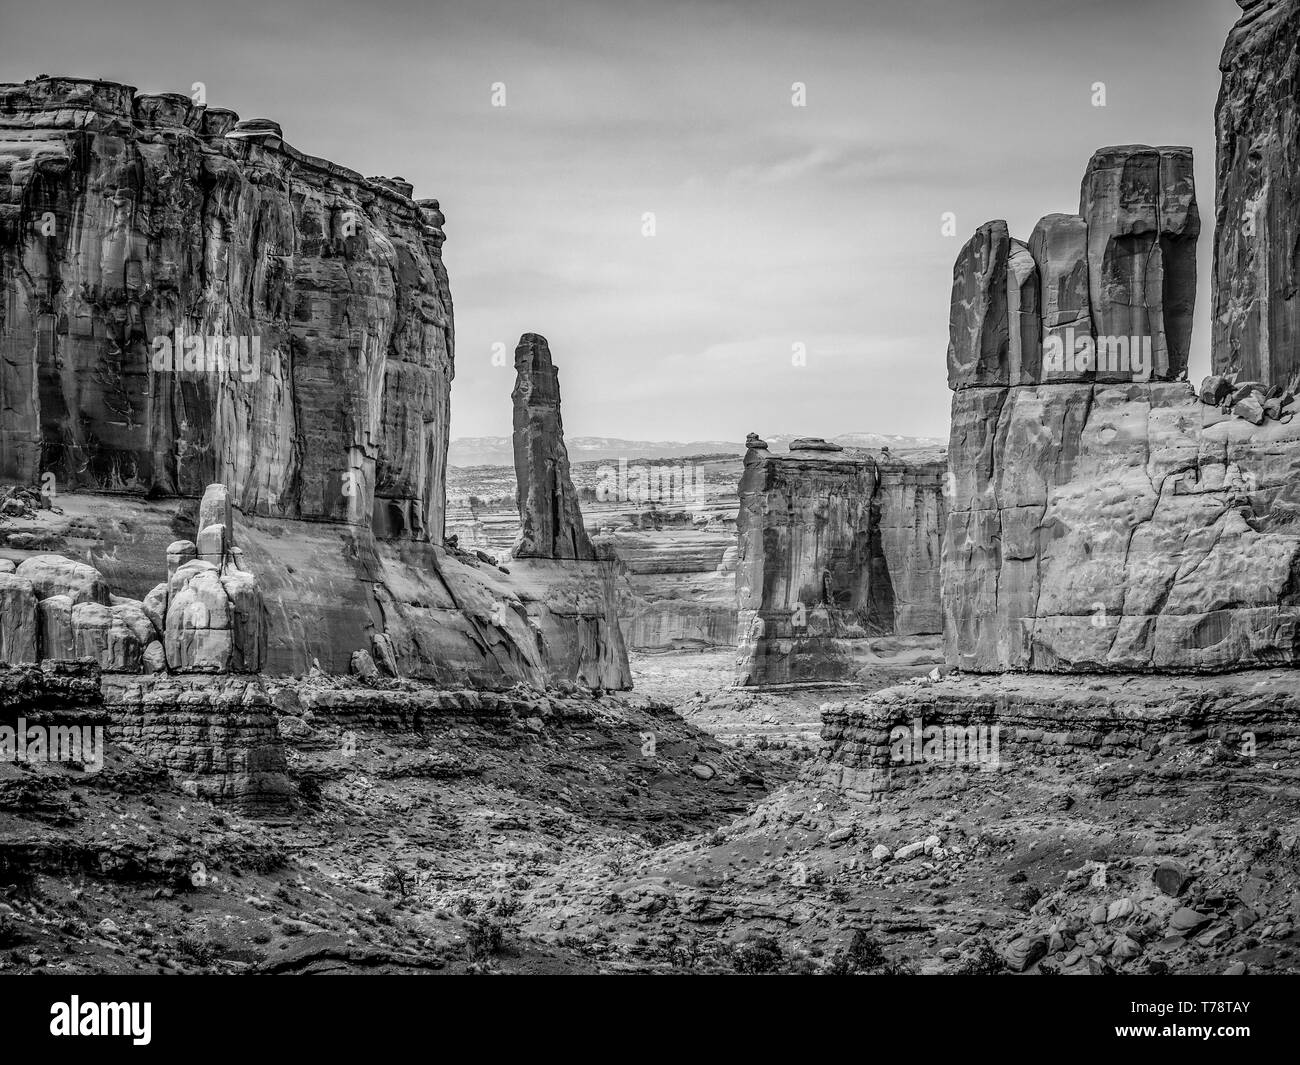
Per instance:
x=187, y=300
x=129, y=223
x=18, y=626
x=208, y=615
x=214, y=614
x=549, y=516
x=1108, y=521
x=836, y=552
x=1256, y=323
x=1139, y=205
x=1105, y=295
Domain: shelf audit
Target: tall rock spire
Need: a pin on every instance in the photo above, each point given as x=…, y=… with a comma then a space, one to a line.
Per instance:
x=549, y=517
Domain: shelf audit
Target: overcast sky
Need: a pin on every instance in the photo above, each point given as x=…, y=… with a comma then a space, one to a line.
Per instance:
x=775, y=225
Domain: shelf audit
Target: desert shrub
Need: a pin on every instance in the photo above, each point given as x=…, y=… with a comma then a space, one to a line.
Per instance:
x=758, y=956
x=983, y=960
x=8, y=930
x=485, y=937
x=197, y=948
x=863, y=955
x=395, y=880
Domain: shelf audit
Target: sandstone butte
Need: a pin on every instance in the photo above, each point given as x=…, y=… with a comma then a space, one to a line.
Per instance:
x=1104, y=517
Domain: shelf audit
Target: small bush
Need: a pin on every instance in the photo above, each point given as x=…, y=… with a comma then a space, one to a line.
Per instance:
x=759, y=956
x=983, y=960
x=485, y=938
x=863, y=955
x=395, y=880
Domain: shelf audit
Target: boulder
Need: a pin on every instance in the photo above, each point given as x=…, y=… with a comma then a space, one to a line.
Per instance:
x=1215, y=389
x=53, y=575
x=105, y=634
x=385, y=657
x=212, y=544
x=155, y=607
x=813, y=443
x=154, y=659
x=364, y=666
x=215, y=509
x=1251, y=408
x=1171, y=878
x=1025, y=951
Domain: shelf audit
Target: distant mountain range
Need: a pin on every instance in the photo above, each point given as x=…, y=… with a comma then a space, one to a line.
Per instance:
x=499, y=451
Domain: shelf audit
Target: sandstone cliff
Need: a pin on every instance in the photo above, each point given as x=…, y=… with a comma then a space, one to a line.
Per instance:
x=186, y=300
x=839, y=563
x=1103, y=517
x=1256, y=305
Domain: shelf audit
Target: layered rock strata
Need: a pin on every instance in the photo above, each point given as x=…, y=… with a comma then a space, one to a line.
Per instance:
x=1102, y=517
x=897, y=739
x=1256, y=322
x=839, y=564
x=216, y=735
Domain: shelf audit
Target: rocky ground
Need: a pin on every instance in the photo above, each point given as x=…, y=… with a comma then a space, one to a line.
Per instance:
x=582, y=834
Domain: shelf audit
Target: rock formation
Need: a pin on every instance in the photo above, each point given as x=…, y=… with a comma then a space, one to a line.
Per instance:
x=217, y=736
x=1103, y=295
x=1256, y=323
x=206, y=617
x=1103, y=518
x=678, y=547
x=839, y=559
x=304, y=358
x=186, y=300
x=569, y=596
x=549, y=517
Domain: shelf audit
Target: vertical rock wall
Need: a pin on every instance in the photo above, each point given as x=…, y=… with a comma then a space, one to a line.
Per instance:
x=1257, y=207
x=184, y=298
x=837, y=551
x=1103, y=517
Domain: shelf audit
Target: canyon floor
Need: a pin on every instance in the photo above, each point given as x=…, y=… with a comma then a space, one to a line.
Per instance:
x=686, y=827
